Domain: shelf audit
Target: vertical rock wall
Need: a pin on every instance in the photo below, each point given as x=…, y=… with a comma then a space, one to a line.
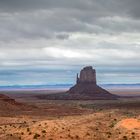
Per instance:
x=87, y=75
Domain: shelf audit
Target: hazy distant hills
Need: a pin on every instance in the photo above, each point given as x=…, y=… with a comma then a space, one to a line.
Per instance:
x=64, y=86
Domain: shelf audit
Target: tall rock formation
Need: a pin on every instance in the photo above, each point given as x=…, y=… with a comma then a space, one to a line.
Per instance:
x=87, y=75
x=85, y=89
x=86, y=86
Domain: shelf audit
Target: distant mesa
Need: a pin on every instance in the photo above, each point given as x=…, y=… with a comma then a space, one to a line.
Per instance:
x=85, y=88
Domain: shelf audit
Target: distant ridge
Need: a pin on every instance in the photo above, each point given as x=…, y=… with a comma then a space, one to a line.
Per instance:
x=35, y=87
x=60, y=86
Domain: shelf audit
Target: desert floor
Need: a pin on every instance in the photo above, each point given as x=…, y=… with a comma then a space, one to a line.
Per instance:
x=32, y=118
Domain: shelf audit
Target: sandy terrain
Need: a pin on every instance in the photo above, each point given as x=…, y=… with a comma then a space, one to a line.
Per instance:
x=125, y=91
x=69, y=120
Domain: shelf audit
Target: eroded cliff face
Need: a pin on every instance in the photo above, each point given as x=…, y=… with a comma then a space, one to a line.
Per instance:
x=87, y=75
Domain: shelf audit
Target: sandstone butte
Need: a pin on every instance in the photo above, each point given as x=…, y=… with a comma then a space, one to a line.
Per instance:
x=86, y=85
x=85, y=88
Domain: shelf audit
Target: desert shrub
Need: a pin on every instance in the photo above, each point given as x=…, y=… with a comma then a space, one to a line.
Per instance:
x=125, y=138
x=97, y=129
x=28, y=129
x=119, y=132
x=71, y=137
x=36, y=136
x=43, y=131
x=133, y=133
x=77, y=137
x=88, y=134
x=112, y=124
x=109, y=133
x=108, y=136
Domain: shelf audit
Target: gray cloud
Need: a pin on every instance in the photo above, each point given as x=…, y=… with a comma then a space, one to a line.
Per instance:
x=97, y=7
x=62, y=33
x=44, y=19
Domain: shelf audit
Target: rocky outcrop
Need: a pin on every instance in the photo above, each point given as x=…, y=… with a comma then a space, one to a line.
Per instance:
x=86, y=86
x=11, y=107
x=9, y=100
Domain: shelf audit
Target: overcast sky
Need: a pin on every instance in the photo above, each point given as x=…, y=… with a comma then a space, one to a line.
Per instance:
x=49, y=41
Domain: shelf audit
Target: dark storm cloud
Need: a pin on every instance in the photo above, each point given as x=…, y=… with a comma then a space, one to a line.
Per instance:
x=100, y=7
x=19, y=5
x=132, y=7
x=43, y=18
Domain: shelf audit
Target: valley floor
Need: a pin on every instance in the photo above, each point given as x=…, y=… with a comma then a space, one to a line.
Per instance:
x=69, y=120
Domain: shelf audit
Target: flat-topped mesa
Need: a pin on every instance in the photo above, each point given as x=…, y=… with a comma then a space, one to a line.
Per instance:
x=87, y=75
